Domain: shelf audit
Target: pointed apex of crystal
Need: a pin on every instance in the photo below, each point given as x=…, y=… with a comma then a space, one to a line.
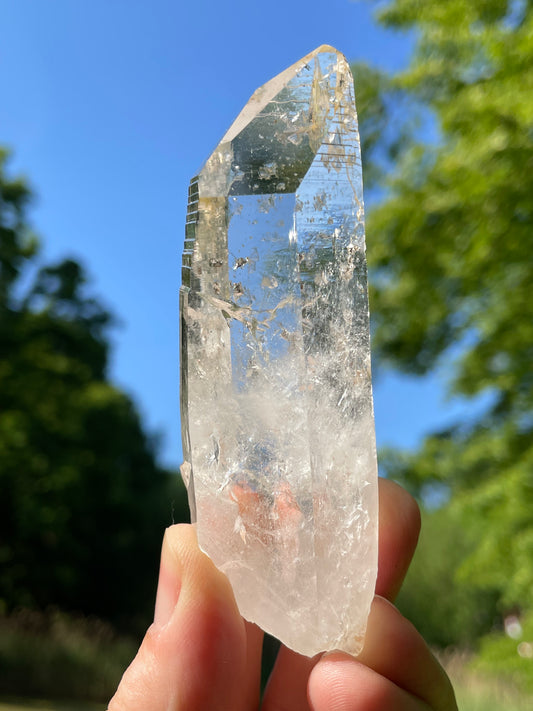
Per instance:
x=266, y=93
x=288, y=119
x=276, y=396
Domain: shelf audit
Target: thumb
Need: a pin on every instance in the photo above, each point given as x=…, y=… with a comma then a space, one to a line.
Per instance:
x=194, y=654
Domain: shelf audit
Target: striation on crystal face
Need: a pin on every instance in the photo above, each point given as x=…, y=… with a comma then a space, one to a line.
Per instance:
x=276, y=395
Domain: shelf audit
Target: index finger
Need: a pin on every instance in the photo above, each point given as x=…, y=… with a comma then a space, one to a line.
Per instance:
x=399, y=528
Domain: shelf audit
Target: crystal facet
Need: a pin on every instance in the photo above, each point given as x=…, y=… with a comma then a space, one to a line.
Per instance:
x=276, y=395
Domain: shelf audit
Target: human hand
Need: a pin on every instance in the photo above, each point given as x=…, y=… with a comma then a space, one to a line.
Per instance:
x=200, y=655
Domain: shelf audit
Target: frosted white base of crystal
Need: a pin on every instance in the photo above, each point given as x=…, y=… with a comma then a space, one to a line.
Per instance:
x=302, y=566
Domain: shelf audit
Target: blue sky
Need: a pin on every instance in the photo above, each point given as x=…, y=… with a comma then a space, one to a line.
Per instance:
x=111, y=106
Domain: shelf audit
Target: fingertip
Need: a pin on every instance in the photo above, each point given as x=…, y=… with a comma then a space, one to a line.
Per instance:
x=341, y=683
x=169, y=582
x=213, y=637
x=399, y=505
x=197, y=634
x=399, y=528
x=395, y=649
x=332, y=684
x=181, y=542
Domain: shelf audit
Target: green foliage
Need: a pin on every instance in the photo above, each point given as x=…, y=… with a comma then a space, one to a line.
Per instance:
x=16, y=241
x=83, y=503
x=449, y=249
x=447, y=610
x=59, y=656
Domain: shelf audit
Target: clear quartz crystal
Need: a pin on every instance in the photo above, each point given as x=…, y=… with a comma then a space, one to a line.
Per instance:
x=276, y=395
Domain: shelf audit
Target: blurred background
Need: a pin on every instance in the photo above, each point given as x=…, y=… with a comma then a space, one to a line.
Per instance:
x=107, y=109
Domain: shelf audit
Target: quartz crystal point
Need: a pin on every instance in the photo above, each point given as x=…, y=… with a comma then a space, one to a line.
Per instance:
x=276, y=395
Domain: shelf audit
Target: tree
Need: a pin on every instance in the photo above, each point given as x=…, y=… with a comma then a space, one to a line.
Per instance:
x=83, y=502
x=449, y=248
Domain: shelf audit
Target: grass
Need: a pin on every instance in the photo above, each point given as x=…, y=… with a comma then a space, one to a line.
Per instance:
x=476, y=692
x=64, y=657
x=57, y=656
x=39, y=705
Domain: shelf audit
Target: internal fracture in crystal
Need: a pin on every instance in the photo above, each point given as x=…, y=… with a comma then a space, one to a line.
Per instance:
x=276, y=395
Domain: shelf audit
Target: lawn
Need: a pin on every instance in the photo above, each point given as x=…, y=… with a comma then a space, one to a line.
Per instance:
x=40, y=705
x=474, y=693
x=478, y=693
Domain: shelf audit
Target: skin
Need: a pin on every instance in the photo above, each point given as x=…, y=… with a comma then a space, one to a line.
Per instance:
x=200, y=655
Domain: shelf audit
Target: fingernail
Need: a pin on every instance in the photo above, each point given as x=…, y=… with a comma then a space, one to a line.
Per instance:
x=168, y=586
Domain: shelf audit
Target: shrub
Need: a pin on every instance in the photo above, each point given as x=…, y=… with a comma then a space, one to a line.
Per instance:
x=56, y=655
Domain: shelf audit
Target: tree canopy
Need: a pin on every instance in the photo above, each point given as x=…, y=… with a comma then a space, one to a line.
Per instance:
x=449, y=146
x=83, y=501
